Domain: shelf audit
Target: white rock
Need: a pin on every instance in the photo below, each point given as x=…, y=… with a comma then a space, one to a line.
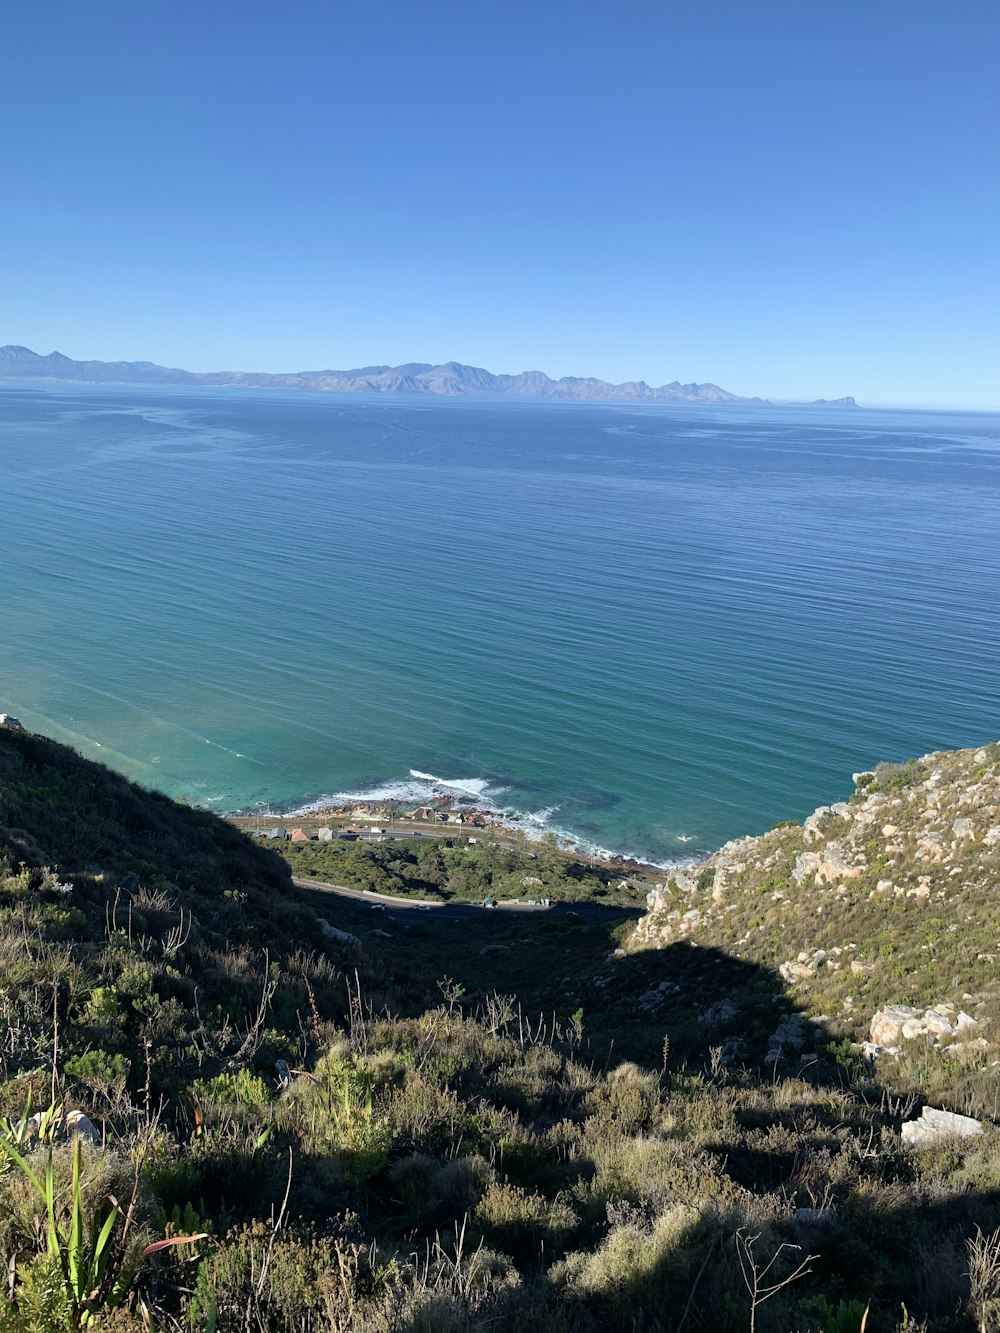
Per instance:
x=934, y=1126
x=871, y=1051
x=79, y=1124
x=795, y=971
x=914, y=1027
x=935, y=1023
x=887, y=1024
x=342, y=936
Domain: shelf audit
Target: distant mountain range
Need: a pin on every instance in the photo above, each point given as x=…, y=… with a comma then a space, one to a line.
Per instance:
x=450, y=380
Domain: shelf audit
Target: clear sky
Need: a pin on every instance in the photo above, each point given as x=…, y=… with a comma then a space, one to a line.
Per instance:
x=796, y=198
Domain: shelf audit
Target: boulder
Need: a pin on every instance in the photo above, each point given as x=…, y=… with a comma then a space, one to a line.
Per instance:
x=935, y=1126
x=81, y=1126
x=719, y=1014
x=74, y=1124
x=887, y=1024
x=341, y=936
x=791, y=971
x=871, y=1051
x=828, y=866
x=788, y=1038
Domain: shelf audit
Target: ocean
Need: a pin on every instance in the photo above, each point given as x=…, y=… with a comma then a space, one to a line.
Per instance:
x=648, y=629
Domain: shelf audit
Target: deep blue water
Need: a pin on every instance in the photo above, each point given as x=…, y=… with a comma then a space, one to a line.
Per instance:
x=644, y=625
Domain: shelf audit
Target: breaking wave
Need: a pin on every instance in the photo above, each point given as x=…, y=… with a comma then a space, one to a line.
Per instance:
x=420, y=788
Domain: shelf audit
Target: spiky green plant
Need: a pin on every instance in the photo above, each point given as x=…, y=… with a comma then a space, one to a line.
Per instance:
x=91, y=1257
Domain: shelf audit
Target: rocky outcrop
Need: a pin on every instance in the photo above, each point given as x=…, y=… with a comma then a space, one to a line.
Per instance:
x=897, y=1023
x=808, y=964
x=895, y=889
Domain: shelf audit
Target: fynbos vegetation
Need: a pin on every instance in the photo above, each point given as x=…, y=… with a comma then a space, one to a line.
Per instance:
x=220, y=1117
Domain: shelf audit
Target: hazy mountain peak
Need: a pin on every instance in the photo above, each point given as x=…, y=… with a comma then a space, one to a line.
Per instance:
x=450, y=379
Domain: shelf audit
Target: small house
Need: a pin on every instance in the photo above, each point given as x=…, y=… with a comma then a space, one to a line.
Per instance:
x=300, y=835
x=281, y=833
x=325, y=835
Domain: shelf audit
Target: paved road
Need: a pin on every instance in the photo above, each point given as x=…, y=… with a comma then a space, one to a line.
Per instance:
x=402, y=909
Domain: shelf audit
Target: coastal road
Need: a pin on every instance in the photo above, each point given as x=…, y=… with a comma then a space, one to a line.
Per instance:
x=402, y=909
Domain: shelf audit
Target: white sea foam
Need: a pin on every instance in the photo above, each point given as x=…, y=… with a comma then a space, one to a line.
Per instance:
x=471, y=786
x=422, y=787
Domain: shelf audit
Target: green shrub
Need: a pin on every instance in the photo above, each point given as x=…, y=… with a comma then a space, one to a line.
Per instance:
x=99, y=1069
x=102, y=1009
x=240, y=1088
x=525, y=1225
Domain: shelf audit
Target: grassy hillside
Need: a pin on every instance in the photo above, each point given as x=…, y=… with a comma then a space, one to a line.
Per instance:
x=890, y=897
x=488, y=1124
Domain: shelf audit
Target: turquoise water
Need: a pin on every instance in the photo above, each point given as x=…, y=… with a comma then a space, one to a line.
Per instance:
x=652, y=628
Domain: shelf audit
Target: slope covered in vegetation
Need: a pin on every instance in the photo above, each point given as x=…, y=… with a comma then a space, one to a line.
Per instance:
x=880, y=904
x=371, y=1131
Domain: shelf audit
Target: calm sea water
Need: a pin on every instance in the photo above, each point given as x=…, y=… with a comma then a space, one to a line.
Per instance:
x=652, y=628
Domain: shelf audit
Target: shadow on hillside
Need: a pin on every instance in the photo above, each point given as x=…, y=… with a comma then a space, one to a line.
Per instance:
x=908, y=1267
x=60, y=809
x=708, y=1004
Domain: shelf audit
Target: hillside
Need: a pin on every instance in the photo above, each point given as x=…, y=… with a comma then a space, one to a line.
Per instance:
x=449, y=380
x=504, y=1124
x=889, y=898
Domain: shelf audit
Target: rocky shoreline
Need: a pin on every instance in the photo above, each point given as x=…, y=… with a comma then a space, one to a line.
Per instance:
x=447, y=815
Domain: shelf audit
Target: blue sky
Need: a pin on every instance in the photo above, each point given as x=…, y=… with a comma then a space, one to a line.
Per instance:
x=793, y=199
